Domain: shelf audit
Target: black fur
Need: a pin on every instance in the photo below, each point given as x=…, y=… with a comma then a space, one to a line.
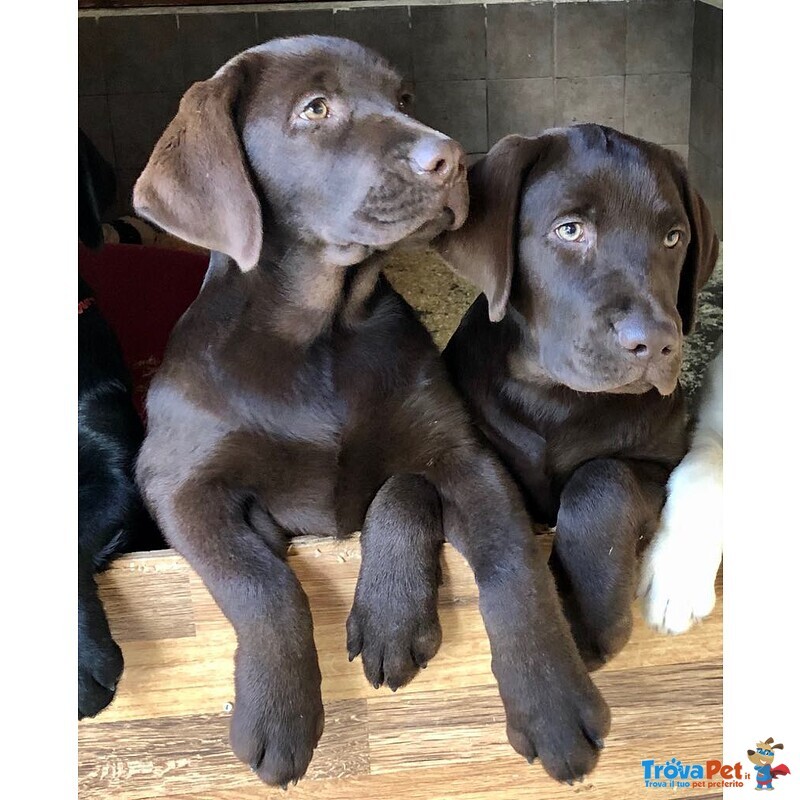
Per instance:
x=110, y=513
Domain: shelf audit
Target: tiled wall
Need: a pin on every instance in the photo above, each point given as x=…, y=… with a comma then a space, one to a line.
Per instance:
x=705, y=128
x=481, y=71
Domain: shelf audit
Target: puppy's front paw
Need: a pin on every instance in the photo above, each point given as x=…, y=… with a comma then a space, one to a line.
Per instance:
x=277, y=722
x=562, y=720
x=99, y=669
x=395, y=632
x=675, y=595
x=680, y=566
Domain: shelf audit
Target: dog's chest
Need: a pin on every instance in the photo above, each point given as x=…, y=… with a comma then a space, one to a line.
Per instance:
x=316, y=423
x=544, y=441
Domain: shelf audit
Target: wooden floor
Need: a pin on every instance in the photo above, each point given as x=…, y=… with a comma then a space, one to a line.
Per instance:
x=443, y=736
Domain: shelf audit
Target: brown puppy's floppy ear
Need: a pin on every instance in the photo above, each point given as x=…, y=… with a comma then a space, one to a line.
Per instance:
x=701, y=255
x=196, y=184
x=484, y=249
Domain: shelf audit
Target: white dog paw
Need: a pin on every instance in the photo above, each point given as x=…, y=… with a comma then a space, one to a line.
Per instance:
x=680, y=567
x=673, y=601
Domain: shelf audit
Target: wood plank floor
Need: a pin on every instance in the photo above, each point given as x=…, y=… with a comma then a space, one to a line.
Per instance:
x=443, y=736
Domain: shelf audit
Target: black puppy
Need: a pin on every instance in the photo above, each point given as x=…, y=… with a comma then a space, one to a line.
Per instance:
x=590, y=247
x=109, y=436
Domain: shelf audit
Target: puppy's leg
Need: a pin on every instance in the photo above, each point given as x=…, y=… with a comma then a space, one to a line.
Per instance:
x=553, y=710
x=680, y=566
x=239, y=552
x=99, y=657
x=106, y=497
x=394, y=623
x=609, y=508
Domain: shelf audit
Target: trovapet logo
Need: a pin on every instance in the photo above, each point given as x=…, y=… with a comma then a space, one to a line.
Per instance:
x=675, y=774
x=714, y=774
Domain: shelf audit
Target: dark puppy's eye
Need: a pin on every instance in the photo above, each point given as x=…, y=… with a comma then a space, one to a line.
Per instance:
x=672, y=238
x=570, y=232
x=405, y=101
x=316, y=110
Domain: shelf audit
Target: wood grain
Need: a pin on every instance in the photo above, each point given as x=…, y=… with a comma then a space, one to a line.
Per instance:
x=443, y=736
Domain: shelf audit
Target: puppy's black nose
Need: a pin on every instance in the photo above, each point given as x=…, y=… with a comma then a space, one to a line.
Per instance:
x=647, y=338
x=437, y=157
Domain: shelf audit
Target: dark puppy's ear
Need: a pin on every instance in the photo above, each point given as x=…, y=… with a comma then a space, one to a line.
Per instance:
x=484, y=249
x=701, y=255
x=96, y=187
x=196, y=184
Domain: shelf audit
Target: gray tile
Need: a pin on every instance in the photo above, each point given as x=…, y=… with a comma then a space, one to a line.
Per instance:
x=657, y=107
x=705, y=131
x=137, y=122
x=448, y=42
x=385, y=30
x=707, y=180
x=457, y=108
x=600, y=99
x=708, y=43
x=519, y=40
x=207, y=41
x=141, y=54
x=660, y=36
x=91, y=77
x=520, y=105
x=93, y=117
x=275, y=24
x=590, y=39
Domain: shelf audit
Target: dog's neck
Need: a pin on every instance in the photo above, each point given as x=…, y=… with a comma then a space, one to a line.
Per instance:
x=523, y=362
x=304, y=292
x=315, y=293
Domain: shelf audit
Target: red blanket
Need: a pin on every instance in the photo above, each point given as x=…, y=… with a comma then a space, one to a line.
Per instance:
x=142, y=292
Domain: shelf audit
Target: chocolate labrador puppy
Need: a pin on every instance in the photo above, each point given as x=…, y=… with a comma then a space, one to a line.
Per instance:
x=590, y=247
x=301, y=395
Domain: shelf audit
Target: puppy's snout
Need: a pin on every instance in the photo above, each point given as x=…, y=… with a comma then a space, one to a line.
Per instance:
x=437, y=158
x=647, y=339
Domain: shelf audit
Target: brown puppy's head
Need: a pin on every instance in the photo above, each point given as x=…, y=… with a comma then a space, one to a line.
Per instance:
x=302, y=140
x=599, y=244
x=764, y=752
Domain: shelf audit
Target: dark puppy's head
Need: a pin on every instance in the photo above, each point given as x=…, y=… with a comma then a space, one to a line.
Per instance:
x=599, y=243
x=307, y=140
x=96, y=188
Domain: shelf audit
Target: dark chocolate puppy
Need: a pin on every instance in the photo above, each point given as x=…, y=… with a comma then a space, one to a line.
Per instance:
x=590, y=247
x=301, y=394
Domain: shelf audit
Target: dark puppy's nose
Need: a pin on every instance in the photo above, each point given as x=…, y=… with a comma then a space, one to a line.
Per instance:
x=437, y=157
x=647, y=338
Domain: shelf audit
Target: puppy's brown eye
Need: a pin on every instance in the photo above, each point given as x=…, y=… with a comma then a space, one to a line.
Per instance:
x=672, y=238
x=405, y=102
x=316, y=110
x=570, y=232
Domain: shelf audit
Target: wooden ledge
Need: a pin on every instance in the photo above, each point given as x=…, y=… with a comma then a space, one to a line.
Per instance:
x=443, y=736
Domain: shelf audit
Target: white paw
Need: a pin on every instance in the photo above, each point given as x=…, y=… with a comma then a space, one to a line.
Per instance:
x=680, y=567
